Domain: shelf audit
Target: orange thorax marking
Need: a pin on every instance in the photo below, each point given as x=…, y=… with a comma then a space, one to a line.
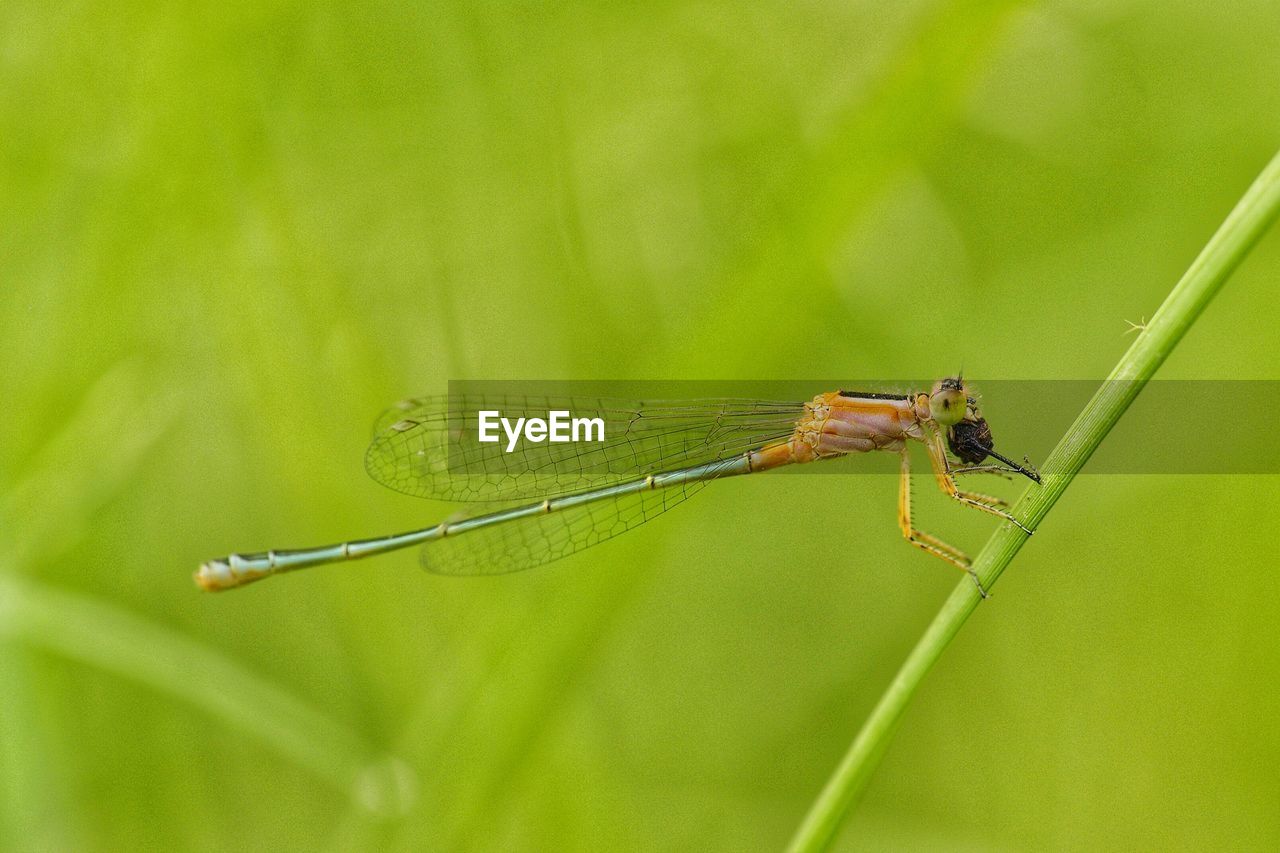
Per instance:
x=834, y=425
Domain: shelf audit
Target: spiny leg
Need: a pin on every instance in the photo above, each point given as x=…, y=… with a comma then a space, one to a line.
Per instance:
x=925, y=541
x=946, y=481
x=999, y=470
x=1003, y=471
x=982, y=498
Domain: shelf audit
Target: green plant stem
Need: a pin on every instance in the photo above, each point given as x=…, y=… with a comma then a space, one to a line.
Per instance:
x=1243, y=227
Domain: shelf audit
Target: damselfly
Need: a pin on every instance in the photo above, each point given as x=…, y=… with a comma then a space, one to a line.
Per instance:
x=652, y=457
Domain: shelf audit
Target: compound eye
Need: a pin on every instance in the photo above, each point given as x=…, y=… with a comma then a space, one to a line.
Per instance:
x=948, y=407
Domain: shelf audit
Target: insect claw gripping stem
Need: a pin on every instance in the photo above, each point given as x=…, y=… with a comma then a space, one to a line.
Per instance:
x=1022, y=527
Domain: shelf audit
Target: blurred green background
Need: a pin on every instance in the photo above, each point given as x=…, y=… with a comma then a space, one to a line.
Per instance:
x=231, y=234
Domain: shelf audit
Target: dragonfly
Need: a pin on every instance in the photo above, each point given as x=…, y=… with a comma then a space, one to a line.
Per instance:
x=566, y=497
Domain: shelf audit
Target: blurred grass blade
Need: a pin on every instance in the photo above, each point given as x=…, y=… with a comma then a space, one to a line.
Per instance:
x=104, y=636
x=1243, y=227
x=99, y=446
x=36, y=804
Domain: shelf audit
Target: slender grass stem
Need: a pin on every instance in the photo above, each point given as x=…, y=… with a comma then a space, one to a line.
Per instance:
x=99, y=634
x=1243, y=227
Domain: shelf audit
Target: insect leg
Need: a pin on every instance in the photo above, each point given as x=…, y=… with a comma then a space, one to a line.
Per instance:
x=946, y=481
x=923, y=540
x=999, y=470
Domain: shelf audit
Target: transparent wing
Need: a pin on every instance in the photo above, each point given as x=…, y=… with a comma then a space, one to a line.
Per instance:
x=538, y=539
x=429, y=447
